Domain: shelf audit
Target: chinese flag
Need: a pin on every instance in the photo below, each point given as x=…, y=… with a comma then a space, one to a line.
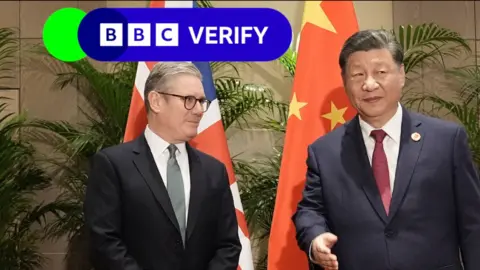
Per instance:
x=318, y=104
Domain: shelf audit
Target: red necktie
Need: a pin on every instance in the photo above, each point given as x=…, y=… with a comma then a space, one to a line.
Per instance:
x=380, y=168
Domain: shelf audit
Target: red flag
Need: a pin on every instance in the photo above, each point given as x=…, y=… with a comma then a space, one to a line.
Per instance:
x=319, y=103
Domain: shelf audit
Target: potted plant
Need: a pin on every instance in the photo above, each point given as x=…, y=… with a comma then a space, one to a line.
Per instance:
x=20, y=179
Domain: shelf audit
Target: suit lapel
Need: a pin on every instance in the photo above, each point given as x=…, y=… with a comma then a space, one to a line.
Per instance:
x=407, y=159
x=145, y=164
x=198, y=188
x=359, y=168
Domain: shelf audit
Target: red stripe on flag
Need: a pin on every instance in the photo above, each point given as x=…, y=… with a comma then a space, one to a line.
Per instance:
x=150, y=65
x=210, y=141
x=157, y=4
x=242, y=223
x=137, y=117
x=213, y=141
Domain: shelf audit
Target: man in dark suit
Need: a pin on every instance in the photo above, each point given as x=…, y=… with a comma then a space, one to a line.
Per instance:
x=156, y=203
x=390, y=189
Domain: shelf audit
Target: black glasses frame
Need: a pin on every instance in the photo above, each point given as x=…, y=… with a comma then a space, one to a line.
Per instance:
x=185, y=98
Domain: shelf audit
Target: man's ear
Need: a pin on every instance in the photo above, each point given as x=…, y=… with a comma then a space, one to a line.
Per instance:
x=153, y=100
x=402, y=75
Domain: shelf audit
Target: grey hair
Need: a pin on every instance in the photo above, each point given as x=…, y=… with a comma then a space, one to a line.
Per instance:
x=162, y=71
x=368, y=40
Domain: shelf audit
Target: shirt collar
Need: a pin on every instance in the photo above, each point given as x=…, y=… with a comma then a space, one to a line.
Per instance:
x=393, y=127
x=159, y=146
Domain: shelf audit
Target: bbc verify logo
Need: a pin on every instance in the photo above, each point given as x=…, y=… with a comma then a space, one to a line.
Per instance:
x=139, y=34
x=167, y=34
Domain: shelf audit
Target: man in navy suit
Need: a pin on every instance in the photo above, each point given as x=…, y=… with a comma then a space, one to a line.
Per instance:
x=390, y=189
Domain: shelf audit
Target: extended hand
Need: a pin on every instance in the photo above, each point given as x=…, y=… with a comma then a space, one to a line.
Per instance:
x=321, y=251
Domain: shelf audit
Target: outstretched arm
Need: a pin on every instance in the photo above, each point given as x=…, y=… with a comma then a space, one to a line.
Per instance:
x=309, y=219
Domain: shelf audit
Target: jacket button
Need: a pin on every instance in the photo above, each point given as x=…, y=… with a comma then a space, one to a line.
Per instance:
x=179, y=244
x=390, y=233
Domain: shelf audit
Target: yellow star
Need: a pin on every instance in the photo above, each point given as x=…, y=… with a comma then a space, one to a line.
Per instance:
x=295, y=107
x=335, y=115
x=314, y=14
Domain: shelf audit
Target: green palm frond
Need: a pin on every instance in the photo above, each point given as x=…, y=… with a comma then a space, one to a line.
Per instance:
x=20, y=179
x=68, y=166
x=466, y=82
x=276, y=123
x=8, y=48
x=258, y=180
x=106, y=94
x=204, y=3
x=289, y=61
x=239, y=101
x=429, y=44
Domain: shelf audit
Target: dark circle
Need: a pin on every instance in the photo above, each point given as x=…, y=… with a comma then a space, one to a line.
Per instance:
x=89, y=34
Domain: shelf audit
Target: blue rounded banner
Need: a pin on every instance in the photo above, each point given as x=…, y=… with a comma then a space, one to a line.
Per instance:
x=185, y=34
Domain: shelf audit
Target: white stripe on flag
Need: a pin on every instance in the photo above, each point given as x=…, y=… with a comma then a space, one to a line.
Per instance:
x=236, y=196
x=141, y=77
x=245, y=260
x=178, y=4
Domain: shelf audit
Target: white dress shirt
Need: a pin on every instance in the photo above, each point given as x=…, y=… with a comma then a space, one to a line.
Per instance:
x=159, y=148
x=391, y=143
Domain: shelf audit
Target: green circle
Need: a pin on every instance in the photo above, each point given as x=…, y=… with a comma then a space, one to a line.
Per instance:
x=60, y=34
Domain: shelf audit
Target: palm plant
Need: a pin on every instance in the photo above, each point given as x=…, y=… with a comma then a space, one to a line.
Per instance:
x=464, y=107
x=427, y=47
x=20, y=178
x=463, y=82
x=107, y=96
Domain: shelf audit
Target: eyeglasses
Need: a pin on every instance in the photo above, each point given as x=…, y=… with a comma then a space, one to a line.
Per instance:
x=190, y=101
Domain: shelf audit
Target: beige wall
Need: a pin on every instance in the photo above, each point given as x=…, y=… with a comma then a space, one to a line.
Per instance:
x=30, y=89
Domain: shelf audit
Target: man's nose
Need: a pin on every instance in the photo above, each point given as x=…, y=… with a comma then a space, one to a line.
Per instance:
x=370, y=84
x=198, y=108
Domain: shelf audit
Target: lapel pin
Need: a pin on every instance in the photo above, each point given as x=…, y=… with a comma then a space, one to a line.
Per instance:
x=416, y=136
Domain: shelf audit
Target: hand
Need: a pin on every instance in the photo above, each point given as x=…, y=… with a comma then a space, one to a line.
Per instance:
x=321, y=251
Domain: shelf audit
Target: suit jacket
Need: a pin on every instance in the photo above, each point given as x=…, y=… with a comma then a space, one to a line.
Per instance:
x=132, y=224
x=435, y=207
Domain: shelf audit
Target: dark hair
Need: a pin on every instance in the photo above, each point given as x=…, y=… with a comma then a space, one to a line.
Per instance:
x=368, y=40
